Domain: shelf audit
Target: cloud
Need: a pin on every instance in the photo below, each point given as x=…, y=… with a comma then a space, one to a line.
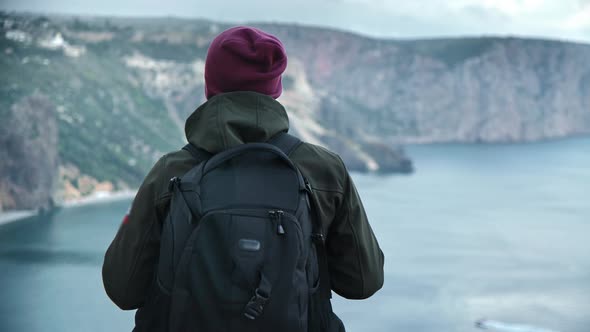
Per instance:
x=562, y=19
x=580, y=19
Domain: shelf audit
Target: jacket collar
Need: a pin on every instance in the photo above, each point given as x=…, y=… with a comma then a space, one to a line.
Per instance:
x=230, y=119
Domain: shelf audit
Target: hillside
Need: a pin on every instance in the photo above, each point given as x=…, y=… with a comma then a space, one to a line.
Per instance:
x=117, y=91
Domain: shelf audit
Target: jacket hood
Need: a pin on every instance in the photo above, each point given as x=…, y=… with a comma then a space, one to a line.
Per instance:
x=230, y=119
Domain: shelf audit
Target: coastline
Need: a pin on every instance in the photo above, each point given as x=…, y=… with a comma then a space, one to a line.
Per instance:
x=7, y=217
x=12, y=216
x=99, y=197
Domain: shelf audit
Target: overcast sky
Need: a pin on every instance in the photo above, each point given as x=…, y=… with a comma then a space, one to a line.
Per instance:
x=561, y=19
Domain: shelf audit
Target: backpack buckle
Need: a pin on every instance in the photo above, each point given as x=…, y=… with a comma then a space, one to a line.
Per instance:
x=318, y=238
x=256, y=305
x=307, y=186
x=173, y=181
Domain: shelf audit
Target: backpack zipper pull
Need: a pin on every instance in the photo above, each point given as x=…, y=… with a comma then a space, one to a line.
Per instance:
x=280, y=229
x=278, y=216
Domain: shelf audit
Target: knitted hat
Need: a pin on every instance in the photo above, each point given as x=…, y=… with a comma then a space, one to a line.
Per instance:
x=245, y=59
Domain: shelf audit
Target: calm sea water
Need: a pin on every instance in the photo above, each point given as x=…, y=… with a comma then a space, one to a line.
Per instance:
x=496, y=231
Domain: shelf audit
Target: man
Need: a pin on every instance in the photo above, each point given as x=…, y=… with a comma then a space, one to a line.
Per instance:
x=242, y=80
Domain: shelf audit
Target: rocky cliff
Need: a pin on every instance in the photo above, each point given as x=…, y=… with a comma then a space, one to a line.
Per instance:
x=28, y=154
x=460, y=90
x=119, y=90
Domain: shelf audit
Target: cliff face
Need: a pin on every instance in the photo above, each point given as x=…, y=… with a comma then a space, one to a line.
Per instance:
x=465, y=90
x=28, y=154
x=120, y=89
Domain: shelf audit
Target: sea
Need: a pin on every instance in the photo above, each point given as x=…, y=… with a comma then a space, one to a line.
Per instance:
x=499, y=232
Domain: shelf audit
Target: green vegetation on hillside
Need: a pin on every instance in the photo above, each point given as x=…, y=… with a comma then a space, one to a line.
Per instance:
x=108, y=127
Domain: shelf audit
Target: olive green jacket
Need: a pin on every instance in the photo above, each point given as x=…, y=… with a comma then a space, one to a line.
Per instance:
x=354, y=258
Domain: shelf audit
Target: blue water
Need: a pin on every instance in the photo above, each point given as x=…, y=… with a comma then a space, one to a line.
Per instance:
x=496, y=231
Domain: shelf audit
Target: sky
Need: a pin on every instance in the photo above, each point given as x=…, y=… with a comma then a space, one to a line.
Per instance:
x=555, y=19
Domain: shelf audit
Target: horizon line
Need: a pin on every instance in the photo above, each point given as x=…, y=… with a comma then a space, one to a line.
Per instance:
x=305, y=25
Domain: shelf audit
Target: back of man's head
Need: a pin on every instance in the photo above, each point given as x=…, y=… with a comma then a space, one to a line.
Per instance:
x=245, y=59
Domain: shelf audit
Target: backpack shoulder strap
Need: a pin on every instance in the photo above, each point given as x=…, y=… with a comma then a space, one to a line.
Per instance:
x=285, y=142
x=319, y=240
x=288, y=143
x=199, y=154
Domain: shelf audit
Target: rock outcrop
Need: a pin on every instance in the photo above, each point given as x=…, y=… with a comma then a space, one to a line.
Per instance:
x=28, y=154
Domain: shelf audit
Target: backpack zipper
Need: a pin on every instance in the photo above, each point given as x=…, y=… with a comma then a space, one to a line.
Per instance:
x=260, y=214
x=277, y=215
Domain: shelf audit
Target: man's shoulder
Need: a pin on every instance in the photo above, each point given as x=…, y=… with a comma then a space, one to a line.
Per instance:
x=172, y=164
x=324, y=169
x=175, y=161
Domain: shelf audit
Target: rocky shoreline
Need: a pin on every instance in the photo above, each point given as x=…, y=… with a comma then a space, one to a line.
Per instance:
x=11, y=216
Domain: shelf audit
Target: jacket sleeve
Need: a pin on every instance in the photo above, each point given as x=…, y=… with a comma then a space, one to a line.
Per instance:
x=131, y=259
x=354, y=258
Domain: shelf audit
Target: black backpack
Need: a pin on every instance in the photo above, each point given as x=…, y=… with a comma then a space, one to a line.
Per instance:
x=239, y=249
